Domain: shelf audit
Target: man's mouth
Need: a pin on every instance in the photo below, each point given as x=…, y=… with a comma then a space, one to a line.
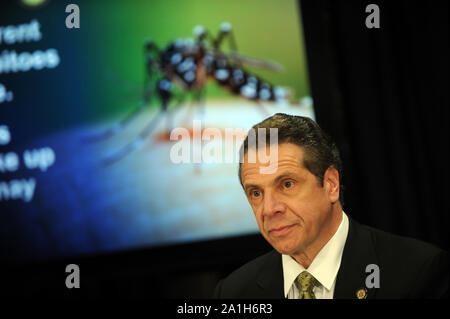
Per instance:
x=280, y=231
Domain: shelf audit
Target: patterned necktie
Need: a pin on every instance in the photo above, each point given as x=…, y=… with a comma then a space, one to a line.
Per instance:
x=307, y=283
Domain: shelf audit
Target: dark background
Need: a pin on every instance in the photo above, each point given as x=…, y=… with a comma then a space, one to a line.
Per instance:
x=381, y=93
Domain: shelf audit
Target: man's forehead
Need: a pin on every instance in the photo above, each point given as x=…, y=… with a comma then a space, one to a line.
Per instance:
x=290, y=160
x=286, y=152
x=250, y=170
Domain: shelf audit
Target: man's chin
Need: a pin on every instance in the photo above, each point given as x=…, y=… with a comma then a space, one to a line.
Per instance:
x=286, y=248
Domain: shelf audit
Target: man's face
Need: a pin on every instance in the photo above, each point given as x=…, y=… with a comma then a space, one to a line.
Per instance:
x=290, y=206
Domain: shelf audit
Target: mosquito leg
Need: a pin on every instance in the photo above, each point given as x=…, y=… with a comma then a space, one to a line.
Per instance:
x=118, y=127
x=199, y=97
x=262, y=109
x=169, y=113
x=164, y=90
x=200, y=102
x=225, y=31
x=137, y=143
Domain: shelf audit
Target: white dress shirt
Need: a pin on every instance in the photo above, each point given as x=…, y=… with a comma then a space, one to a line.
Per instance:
x=324, y=267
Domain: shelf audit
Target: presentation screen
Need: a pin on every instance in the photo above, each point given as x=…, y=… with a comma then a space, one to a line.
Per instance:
x=121, y=121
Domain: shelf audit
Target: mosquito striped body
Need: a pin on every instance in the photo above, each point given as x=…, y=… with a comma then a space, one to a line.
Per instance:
x=189, y=65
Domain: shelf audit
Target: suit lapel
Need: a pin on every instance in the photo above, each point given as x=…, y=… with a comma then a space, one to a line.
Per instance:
x=270, y=278
x=358, y=253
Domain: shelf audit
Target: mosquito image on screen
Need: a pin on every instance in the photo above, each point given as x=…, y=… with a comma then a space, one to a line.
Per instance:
x=188, y=64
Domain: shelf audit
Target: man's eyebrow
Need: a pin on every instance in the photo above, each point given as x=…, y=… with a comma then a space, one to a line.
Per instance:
x=283, y=176
x=247, y=186
x=275, y=181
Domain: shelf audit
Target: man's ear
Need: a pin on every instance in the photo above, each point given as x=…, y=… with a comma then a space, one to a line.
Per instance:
x=331, y=183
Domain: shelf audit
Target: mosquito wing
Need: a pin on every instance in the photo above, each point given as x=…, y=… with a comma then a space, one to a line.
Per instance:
x=263, y=64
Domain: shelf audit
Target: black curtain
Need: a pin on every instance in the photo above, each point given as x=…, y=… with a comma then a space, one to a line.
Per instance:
x=383, y=95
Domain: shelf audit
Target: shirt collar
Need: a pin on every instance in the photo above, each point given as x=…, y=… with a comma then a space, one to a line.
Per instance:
x=325, y=265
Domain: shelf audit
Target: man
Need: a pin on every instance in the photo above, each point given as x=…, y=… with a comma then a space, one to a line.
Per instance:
x=320, y=252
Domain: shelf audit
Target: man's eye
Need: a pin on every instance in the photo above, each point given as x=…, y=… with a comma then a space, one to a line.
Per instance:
x=255, y=193
x=288, y=184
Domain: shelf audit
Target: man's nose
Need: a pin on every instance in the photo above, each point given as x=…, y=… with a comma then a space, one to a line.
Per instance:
x=272, y=204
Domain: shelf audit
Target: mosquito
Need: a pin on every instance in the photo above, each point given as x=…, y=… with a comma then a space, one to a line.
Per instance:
x=189, y=64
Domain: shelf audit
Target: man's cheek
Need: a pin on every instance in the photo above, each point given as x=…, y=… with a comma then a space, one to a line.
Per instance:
x=259, y=220
x=261, y=226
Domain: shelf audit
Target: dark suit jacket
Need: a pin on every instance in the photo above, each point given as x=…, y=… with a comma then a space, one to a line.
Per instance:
x=408, y=268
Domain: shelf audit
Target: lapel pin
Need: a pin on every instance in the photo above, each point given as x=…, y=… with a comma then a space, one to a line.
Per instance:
x=361, y=293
